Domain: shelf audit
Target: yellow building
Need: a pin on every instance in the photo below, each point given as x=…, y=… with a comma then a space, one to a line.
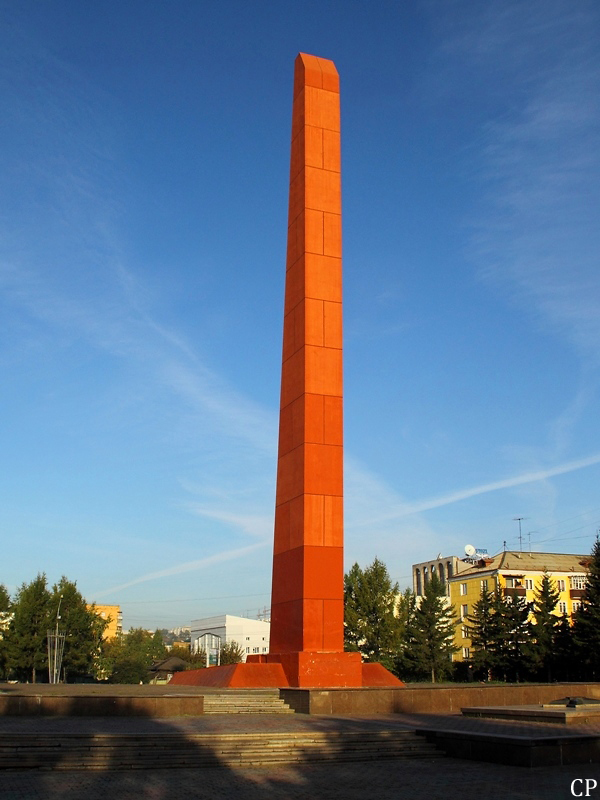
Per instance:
x=515, y=575
x=114, y=616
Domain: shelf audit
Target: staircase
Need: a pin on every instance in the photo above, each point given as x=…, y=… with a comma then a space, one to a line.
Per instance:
x=241, y=702
x=173, y=750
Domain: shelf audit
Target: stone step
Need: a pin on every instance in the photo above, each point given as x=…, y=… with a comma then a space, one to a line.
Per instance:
x=245, y=703
x=135, y=751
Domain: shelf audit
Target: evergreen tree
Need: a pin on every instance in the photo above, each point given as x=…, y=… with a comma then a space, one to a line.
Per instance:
x=83, y=629
x=514, y=646
x=484, y=629
x=405, y=611
x=564, y=662
x=587, y=619
x=370, y=624
x=545, y=602
x=433, y=633
x=26, y=637
x=4, y=599
x=4, y=616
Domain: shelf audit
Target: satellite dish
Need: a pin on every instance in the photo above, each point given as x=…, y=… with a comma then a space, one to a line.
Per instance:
x=470, y=550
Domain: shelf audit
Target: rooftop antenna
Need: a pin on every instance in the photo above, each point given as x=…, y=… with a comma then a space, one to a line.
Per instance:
x=518, y=519
x=529, y=537
x=504, y=545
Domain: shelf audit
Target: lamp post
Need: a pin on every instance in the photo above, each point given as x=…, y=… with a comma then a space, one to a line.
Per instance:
x=56, y=646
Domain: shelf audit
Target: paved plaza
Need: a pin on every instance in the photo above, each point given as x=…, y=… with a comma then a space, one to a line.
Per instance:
x=427, y=779
x=436, y=779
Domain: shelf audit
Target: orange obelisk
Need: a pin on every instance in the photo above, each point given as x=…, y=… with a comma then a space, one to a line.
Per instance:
x=307, y=599
x=307, y=603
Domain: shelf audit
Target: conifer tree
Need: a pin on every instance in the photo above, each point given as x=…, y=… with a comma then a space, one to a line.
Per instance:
x=564, y=662
x=484, y=629
x=545, y=622
x=515, y=643
x=370, y=623
x=26, y=637
x=433, y=633
x=587, y=619
x=4, y=614
x=405, y=611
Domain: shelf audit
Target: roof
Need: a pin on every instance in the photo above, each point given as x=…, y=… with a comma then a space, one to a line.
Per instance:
x=171, y=664
x=515, y=561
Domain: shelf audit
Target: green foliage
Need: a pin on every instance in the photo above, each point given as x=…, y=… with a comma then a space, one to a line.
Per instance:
x=514, y=647
x=26, y=637
x=82, y=626
x=127, y=659
x=545, y=602
x=405, y=612
x=484, y=630
x=4, y=599
x=587, y=619
x=432, y=633
x=231, y=653
x=4, y=614
x=370, y=624
x=565, y=665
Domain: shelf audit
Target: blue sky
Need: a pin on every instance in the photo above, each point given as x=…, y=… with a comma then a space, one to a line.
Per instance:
x=144, y=154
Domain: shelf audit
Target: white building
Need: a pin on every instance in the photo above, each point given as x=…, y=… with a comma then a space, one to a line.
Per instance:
x=208, y=634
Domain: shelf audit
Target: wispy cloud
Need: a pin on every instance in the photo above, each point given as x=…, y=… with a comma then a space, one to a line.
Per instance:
x=188, y=566
x=539, y=232
x=506, y=483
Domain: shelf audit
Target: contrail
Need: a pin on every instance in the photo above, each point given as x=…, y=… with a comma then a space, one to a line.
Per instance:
x=518, y=480
x=188, y=566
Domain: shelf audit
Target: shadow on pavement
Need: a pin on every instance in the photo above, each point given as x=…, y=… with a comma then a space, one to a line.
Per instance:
x=128, y=738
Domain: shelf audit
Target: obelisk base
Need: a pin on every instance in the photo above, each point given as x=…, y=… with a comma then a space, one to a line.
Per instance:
x=303, y=670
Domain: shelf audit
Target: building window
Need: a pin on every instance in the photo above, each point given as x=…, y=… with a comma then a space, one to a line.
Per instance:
x=463, y=588
x=510, y=583
x=464, y=632
x=441, y=572
x=466, y=652
x=484, y=585
x=576, y=605
x=528, y=583
x=247, y=638
x=577, y=582
x=264, y=649
x=256, y=649
x=247, y=649
x=464, y=611
x=562, y=607
x=561, y=585
x=449, y=569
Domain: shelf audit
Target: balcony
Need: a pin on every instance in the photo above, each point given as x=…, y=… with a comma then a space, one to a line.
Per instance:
x=576, y=594
x=517, y=591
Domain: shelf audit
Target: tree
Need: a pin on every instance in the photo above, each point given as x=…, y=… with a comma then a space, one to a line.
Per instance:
x=405, y=611
x=4, y=618
x=83, y=629
x=483, y=628
x=587, y=618
x=514, y=645
x=231, y=653
x=545, y=621
x=433, y=632
x=370, y=624
x=564, y=665
x=27, y=632
x=128, y=658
